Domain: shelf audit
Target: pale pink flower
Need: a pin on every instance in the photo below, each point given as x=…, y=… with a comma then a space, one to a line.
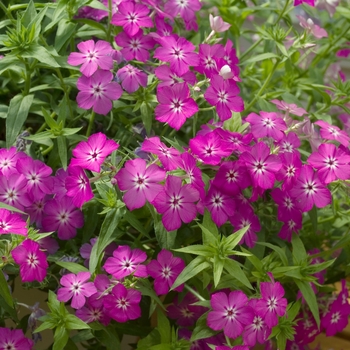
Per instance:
x=312, y=28
x=217, y=24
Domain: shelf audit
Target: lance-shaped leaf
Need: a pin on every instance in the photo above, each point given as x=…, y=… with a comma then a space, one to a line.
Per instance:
x=231, y=241
x=197, y=249
x=192, y=269
x=299, y=251
x=218, y=267
x=235, y=270
x=314, y=268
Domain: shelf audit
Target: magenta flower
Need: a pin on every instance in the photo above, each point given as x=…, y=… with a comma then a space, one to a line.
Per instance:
x=77, y=288
x=236, y=141
x=337, y=318
x=126, y=262
x=60, y=183
x=131, y=78
x=165, y=271
x=261, y=165
x=163, y=28
x=223, y=94
x=175, y=105
x=97, y=91
x=90, y=313
x=272, y=303
x=32, y=261
x=135, y=47
x=267, y=124
x=309, y=2
x=92, y=56
x=289, y=143
x=62, y=216
x=176, y=203
x=8, y=160
x=332, y=132
x=12, y=223
x=219, y=204
x=91, y=154
x=310, y=191
x=186, y=8
x=169, y=78
x=78, y=186
x=290, y=170
x=306, y=329
x=209, y=148
x=14, y=340
x=132, y=16
x=230, y=313
x=312, y=28
x=141, y=183
x=208, y=59
x=123, y=304
x=289, y=107
x=331, y=163
x=179, y=52
x=36, y=210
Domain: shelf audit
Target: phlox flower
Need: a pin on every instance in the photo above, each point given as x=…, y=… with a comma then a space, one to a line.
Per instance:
x=36, y=210
x=91, y=154
x=131, y=78
x=261, y=165
x=332, y=132
x=165, y=271
x=306, y=329
x=78, y=186
x=209, y=148
x=14, y=340
x=336, y=319
x=201, y=344
x=126, y=262
x=123, y=304
x=176, y=203
x=97, y=91
x=132, y=16
x=331, y=163
x=230, y=313
x=169, y=78
x=289, y=107
x=179, y=52
x=77, y=288
x=289, y=143
x=60, y=183
x=272, y=304
x=236, y=141
x=230, y=55
x=92, y=313
x=92, y=56
x=175, y=105
x=309, y=2
x=62, y=216
x=8, y=160
x=12, y=223
x=217, y=24
x=140, y=182
x=32, y=261
x=223, y=95
x=136, y=46
x=208, y=56
x=328, y=5
x=186, y=8
x=310, y=191
x=163, y=28
x=312, y=28
x=290, y=170
x=267, y=124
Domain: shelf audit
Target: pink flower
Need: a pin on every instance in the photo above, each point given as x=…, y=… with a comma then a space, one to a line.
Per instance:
x=131, y=78
x=289, y=143
x=209, y=56
x=91, y=154
x=123, y=304
x=32, y=261
x=328, y=5
x=261, y=165
x=177, y=51
x=176, y=203
x=136, y=46
x=78, y=186
x=312, y=28
x=332, y=132
x=8, y=160
x=217, y=24
x=97, y=91
x=12, y=223
x=126, y=262
x=230, y=313
x=309, y=2
x=331, y=162
x=141, y=183
x=290, y=170
x=165, y=271
x=223, y=94
x=169, y=78
x=62, y=216
x=92, y=56
x=90, y=313
x=289, y=107
x=132, y=16
x=336, y=319
x=76, y=288
x=267, y=124
x=186, y=8
x=163, y=28
x=14, y=340
x=272, y=303
x=310, y=191
x=175, y=105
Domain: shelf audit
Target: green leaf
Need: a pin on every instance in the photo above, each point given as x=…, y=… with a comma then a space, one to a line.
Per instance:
x=235, y=270
x=48, y=119
x=134, y=222
x=60, y=338
x=70, y=131
x=163, y=326
x=313, y=218
x=310, y=298
x=72, y=267
x=299, y=251
x=261, y=57
x=109, y=337
x=192, y=269
x=65, y=30
x=3, y=111
x=202, y=331
x=166, y=240
x=97, y=5
x=256, y=262
x=41, y=54
x=53, y=304
x=218, y=266
x=109, y=232
x=282, y=255
x=17, y=115
x=293, y=309
x=6, y=301
x=147, y=116
x=314, y=268
x=11, y=208
x=210, y=233
x=145, y=288
x=232, y=240
x=343, y=11
x=62, y=151
x=29, y=14
x=197, y=249
x=73, y=322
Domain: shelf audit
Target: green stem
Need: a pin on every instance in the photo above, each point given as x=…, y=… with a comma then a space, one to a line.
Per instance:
x=6, y=10
x=66, y=93
x=91, y=123
x=195, y=293
x=206, y=109
x=282, y=12
x=47, y=150
x=28, y=79
x=264, y=85
x=250, y=49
